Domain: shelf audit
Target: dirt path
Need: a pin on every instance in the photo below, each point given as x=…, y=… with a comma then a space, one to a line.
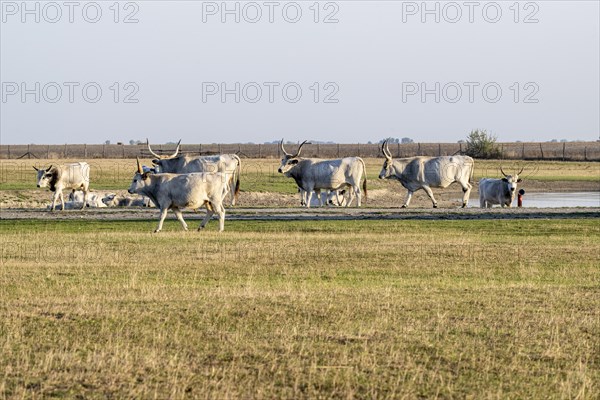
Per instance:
x=300, y=214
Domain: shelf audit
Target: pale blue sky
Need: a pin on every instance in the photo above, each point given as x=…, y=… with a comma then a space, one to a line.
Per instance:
x=374, y=61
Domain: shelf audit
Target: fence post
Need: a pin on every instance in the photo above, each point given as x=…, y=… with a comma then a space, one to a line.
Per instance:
x=358, y=150
x=65, y=151
x=104, y=150
x=523, y=152
x=398, y=154
x=318, y=150
x=564, y=143
x=542, y=150
x=439, y=149
x=338, y=150
x=28, y=152
x=47, y=151
x=418, y=149
x=585, y=153
x=259, y=152
x=8, y=151
x=85, y=150
x=219, y=148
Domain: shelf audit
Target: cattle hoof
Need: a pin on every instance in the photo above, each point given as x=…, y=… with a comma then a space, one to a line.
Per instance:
x=156, y=231
x=404, y=206
x=464, y=205
x=435, y=206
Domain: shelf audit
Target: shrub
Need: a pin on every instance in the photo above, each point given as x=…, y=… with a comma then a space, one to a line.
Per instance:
x=480, y=144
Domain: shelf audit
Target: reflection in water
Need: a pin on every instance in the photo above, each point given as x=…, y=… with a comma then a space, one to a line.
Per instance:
x=550, y=200
x=580, y=199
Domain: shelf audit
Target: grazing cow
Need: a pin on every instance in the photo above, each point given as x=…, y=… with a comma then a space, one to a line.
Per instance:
x=313, y=174
x=74, y=176
x=112, y=200
x=416, y=173
x=498, y=191
x=94, y=200
x=176, y=191
x=229, y=164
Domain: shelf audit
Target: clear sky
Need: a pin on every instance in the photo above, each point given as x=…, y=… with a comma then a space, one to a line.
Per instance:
x=342, y=71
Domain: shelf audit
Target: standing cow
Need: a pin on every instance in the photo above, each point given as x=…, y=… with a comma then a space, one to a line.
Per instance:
x=74, y=176
x=229, y=164
x=176, y=191
x=498, y=191
x=313, y=174
x=416, y=173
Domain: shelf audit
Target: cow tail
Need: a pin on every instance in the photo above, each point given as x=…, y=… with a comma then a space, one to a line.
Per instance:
x=237, y=176
x=365, y=181
x=472, y=171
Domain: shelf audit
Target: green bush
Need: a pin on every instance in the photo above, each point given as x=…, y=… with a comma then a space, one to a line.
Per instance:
x=480, y=144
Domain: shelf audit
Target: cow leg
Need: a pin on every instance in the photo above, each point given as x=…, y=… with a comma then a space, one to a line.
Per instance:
x=309, y=193
x=207, y=217
x=62, y=200
x=301, y=192
x=319, y=195
x=350, y=198
x=161, y=219
x=179, y=216
x=430, y=194
x=408, y=197
x=466, y=193
x=221, y=213
x=85, y=197
x=54, y=198
x=358, y=195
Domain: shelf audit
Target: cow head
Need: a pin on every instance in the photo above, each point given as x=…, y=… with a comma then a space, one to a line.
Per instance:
x=159, y=160
x=140, y=179
x=511, y=183
x=387, y=170
x=289, y=161
x=109, y=199
x=46, y=177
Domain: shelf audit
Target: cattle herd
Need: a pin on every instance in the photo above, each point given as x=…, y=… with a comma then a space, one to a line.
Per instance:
x=179, y=181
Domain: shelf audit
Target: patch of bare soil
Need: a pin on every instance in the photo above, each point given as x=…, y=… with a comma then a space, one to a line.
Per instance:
x=380, y=203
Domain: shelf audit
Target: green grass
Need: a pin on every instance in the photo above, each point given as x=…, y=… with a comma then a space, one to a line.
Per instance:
x=260, y=175
x=320, y=309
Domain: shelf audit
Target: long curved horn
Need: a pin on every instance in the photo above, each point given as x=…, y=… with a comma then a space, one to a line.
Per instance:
x=49, y=168
x=35, y=168
x=150, y=150
x=386, y=150
x=139, y=166
x=503, y=173
x=176, y=150
x=519, y=173
x=282, y=149
x=300, y=149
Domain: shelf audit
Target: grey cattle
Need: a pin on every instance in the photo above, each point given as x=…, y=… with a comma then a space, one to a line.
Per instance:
x=113, y=200
x=313, y=174
x=229, y=164
x=94, y=200
x=426, y=172
x=74, y=176
x=176, y=191
x=498, y=191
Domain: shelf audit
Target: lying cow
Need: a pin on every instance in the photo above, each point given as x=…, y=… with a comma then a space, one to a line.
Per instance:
x=498, y=191
x=74, y=176
x=177, y=191
x=94, y=200
x=113, y=200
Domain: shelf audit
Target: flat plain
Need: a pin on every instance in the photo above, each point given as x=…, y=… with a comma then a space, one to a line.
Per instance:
x=103, y=308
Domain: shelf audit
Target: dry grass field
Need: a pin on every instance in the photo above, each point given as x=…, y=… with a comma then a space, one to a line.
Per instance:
x=321, y=309
x=94, y=308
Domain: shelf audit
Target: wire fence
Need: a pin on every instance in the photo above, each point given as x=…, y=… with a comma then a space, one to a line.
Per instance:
x=565, y=151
